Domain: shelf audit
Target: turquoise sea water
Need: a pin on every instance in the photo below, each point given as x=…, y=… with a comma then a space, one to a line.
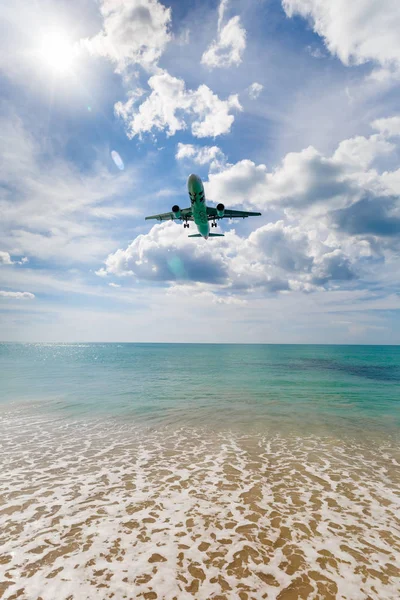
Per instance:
x=345, y=388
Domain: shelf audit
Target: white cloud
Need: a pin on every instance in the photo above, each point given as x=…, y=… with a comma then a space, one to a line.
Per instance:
x=157, y=256
x=308, y=180
x=286, y=247
x=223, y=5
x=333, y=267
x=54, y=211
x=358, y=31
x=114, y=285
x=255, y=90
x=170, y=106
x=361, y=151
x=159, y=110
x=228, y=49
x=389, y=127
x=201, y=155
x=214, y=116
x=101, y=273
x=303, y=178
x=315, y=52
x=177, y=292
x=275, y=257
x=134, y=32
x=17, y=295
x=5, y=258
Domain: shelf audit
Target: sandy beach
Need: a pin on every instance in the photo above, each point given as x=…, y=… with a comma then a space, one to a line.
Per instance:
x=114, y=511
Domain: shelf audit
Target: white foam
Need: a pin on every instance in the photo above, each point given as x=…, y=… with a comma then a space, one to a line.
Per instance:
x=219, y=511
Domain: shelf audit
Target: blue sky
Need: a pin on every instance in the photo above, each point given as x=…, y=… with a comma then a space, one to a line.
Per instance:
x=290, y=107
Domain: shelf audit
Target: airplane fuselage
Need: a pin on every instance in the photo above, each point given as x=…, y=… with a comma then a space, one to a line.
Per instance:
x=200, y=213
x=198, y=205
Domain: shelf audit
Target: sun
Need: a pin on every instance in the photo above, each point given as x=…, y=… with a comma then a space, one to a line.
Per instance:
x=58, y=53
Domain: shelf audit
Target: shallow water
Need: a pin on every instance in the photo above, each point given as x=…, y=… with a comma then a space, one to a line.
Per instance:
x=348, y=388
x=237, y=472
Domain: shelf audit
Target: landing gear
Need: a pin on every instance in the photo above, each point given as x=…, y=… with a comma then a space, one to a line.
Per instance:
x=186, y=225
x=213, y=224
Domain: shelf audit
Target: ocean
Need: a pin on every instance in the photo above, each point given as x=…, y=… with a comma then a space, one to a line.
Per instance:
x=199, y=471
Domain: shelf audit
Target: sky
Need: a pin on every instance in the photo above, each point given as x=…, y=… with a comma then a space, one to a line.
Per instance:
x=287, y=107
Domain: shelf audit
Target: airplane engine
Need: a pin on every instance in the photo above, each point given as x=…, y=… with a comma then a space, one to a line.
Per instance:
x=220, y=210
x=176, y=211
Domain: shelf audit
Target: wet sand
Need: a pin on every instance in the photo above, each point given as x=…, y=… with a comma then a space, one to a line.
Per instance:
x=113, y=511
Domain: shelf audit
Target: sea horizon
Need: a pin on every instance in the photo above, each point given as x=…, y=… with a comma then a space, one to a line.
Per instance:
x=200, y=343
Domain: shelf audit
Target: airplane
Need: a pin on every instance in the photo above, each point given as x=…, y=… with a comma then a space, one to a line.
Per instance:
x=200, y=213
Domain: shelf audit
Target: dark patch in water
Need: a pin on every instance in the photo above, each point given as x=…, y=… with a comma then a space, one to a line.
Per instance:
x=389, y=373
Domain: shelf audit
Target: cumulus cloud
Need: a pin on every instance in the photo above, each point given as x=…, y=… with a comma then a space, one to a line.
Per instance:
x=134, y=32
x=254, y=90
x=360, y=151
x=170, y=106
x=303, y=178
x=228, y=48
x=309, y=181
x=356, y=32
x=286, y=247
x=17, y=295
x=201, y=155
x=372, y=215
x=333, y=267
x=389, y=127
x=274, y=258
x=163, y=255
x=101, y=273
x=5, y=258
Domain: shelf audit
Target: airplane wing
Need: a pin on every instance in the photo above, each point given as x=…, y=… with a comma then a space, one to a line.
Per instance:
x=230, y=214
x=186, y=214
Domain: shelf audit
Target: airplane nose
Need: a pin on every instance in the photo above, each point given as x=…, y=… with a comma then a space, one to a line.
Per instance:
x=192, y=179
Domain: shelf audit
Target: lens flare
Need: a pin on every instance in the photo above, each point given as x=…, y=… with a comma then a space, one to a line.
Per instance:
x=177, y=267
x=118, y=160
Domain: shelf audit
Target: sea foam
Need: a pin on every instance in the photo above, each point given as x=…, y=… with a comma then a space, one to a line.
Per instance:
x=113, y=511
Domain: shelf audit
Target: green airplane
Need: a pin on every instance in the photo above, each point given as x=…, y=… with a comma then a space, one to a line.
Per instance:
x=200, y=213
